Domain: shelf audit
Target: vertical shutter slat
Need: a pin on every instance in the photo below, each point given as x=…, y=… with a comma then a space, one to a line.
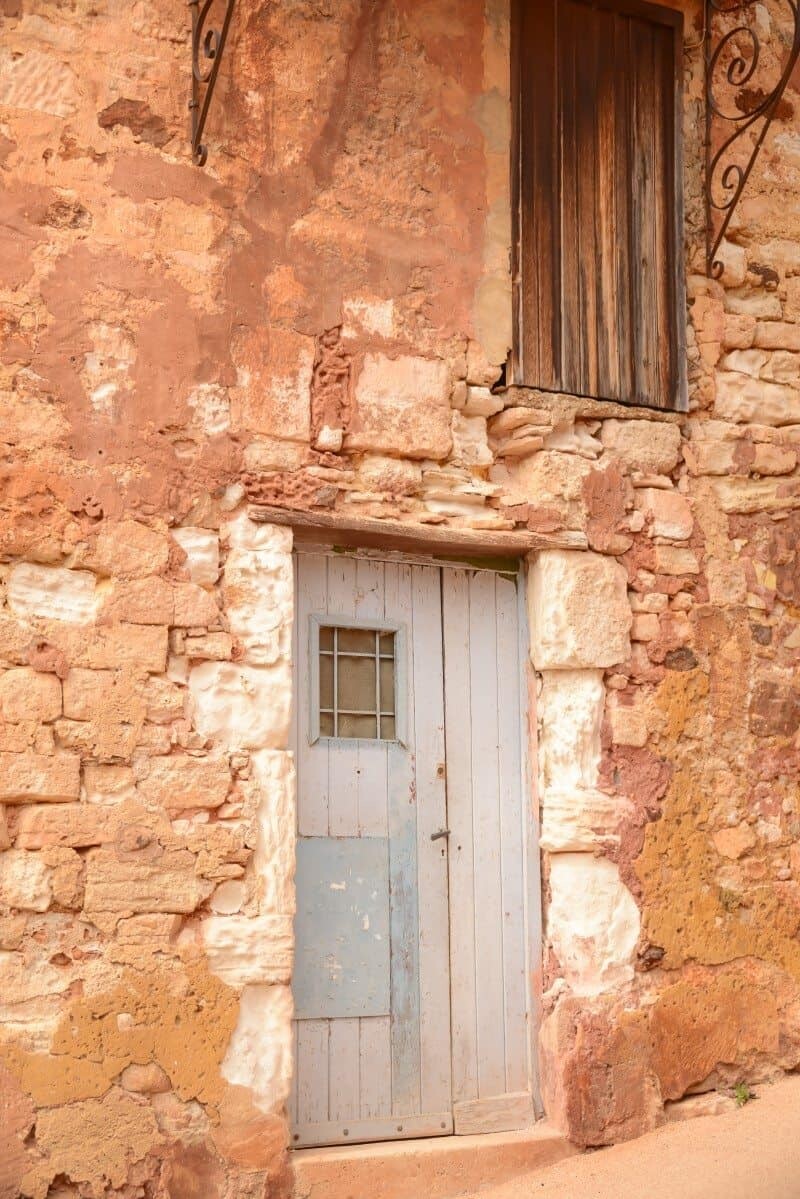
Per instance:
x=570, y=307
x=538, y=318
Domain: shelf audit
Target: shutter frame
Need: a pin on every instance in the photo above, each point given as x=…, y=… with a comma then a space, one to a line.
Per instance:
x=568, y=334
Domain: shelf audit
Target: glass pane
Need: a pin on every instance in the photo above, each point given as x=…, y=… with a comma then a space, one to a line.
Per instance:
x=325, y=681
x=326, y=637
x=326, y=724
x=387, y=686
x=387, y=728
x=359, y=641
x=357, y=684
x=387, y=643
x=358, y=726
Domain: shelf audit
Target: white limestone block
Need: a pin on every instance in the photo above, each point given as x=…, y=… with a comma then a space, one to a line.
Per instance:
x=259, y=1056
x=571, y=714
x=259, y=590
x=249, y=950
x=53, y=593
x=24, y=881
x=274, y=858
x=201, y=547
x=243, y=707
x=402, y=406
x=593, y=923
x=579, y=613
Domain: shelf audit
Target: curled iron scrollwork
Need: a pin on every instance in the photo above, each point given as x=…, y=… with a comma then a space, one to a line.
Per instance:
x=208, y=45
x=734, y=63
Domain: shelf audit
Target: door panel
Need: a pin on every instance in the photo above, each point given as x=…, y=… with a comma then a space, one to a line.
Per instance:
x=371, y=985
x=487, y=818
x=411, y=977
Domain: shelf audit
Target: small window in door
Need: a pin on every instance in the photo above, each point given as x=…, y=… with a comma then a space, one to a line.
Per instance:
x=357, y=675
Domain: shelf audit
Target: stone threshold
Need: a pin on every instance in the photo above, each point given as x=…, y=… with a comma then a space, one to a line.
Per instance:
x=437, y=1168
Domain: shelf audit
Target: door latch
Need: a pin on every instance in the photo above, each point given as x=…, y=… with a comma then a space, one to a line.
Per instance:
x=442, y=833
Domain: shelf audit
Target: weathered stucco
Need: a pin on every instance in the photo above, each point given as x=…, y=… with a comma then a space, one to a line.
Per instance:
x=316, y=320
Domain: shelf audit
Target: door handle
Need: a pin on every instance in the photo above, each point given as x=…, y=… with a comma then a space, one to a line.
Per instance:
x=442, y=833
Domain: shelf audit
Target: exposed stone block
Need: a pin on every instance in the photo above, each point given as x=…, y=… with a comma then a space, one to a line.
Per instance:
x=201, y=547
x=139, y=646
x=115, y=887
x=554, y=481
x=402, y=406
x=249, y=950
x=78, y=826
x=194, y=606
x=580, y=617
x=128, y=548
x=108, y=784
x=213, y=647
x=27, y=694
x=244, y=707
x=273, y=774
x=141, y=601
x=598, y=1081
x=668, y=513
x=275, y=368
x=259, y=1056
x=592, y=922
x=53, y=592
x=30, y=777
x=675, y=560
x=777, y=335
x=470, y=444
x=744, y=400
x=25, y=881
x=746, y=496
x=647, y=446
x=259, y=590
x=571, y=709
x=181, y=781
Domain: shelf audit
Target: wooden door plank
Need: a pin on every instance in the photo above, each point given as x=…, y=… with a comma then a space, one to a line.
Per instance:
x=375, y=1065
x=403, y=874
x=501, y=1113
x=435, y=1084
x=463, y=974
x=343, y=801
x=512, y=839
x=365, y=1132
x=343, y=1080
x=311, y=761
x=371, y=760
x=486, y=827
x=312, y=1071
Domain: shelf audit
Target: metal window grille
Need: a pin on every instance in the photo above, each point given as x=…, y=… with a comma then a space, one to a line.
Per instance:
x=357, y=683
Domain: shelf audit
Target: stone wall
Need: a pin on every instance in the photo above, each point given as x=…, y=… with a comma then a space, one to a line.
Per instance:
x=316, y=320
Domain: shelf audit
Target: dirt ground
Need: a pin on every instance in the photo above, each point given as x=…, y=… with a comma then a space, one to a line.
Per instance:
x=750, y=1153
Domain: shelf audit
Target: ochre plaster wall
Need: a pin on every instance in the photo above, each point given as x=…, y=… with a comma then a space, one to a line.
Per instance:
x=315, y=319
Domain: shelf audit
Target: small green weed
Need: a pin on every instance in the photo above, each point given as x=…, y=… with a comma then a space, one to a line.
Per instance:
x=742, y=1094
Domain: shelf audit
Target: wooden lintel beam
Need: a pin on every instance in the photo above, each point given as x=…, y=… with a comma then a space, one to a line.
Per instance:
x=360, y=532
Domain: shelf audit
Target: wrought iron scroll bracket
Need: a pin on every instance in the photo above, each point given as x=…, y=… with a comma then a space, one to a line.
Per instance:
x=741, y=104
x=208, y=45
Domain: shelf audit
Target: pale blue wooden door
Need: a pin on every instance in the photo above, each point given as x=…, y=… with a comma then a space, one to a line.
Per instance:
x=371, y=983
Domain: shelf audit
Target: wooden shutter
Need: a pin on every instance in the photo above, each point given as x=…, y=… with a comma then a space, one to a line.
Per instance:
x=599, y=308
